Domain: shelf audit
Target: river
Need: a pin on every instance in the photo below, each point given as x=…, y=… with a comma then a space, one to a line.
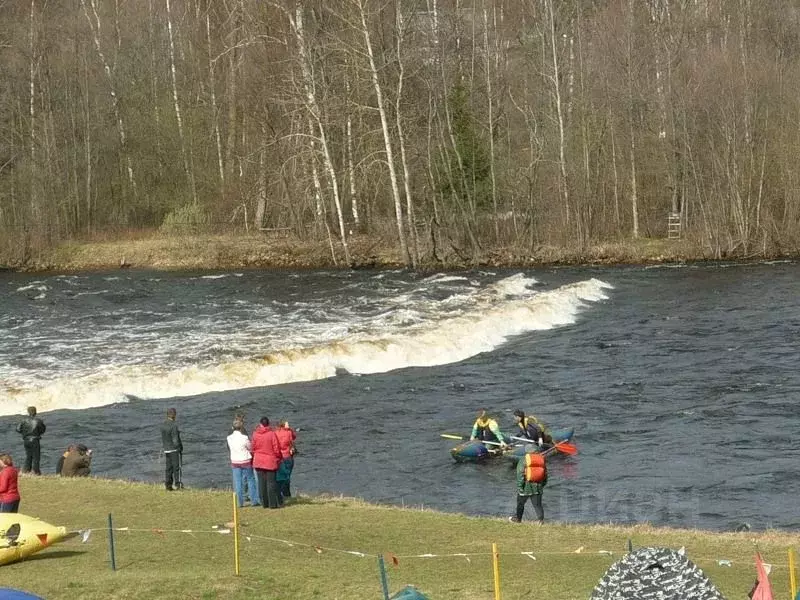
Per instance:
x=682, y=381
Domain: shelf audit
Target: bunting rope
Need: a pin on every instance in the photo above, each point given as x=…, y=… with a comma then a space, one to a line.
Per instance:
x=395, y=558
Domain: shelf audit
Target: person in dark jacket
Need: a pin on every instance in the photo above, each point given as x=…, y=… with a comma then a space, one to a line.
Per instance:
x=531, y=428
x=173, y=449
x=78, y=462
x=31, y=430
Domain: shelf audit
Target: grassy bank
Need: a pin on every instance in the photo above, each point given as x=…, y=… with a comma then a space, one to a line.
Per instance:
x=155, y=559
x=285, y=251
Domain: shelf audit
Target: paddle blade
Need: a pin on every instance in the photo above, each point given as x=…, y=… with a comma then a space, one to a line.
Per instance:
x=567, y=448
x=450, y=436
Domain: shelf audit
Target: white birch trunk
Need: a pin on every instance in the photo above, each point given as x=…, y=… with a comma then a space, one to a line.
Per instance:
x=215, y=110
x=562, y=159
x=187, y=161
x=94, y=25
x=412, y=230
x=490, y=108
x=314, y=110
x=398, y=207
x=351, y=171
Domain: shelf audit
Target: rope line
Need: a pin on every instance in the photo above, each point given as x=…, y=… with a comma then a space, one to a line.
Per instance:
x=531, y=554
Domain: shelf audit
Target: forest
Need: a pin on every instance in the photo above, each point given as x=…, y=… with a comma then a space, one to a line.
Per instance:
x=439, y=125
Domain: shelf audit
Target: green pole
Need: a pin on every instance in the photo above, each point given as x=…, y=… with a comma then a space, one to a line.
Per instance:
x=384, y=582
x=111, y=543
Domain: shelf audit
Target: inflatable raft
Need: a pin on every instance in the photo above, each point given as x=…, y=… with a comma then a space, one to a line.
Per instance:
x=479, y=452
x=21, y=536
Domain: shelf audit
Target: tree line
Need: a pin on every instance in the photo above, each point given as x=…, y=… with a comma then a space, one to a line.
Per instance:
x=443, y=125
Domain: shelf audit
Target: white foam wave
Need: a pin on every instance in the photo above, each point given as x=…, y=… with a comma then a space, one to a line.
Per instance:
x=36, y=285
x=410, y=338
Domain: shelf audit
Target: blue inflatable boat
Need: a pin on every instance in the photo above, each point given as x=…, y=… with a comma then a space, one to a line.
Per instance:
x=478, y=451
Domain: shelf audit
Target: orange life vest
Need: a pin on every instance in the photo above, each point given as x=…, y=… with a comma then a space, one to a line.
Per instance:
x=534, y=467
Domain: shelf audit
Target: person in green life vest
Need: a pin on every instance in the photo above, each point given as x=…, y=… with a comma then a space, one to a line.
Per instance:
x=531, y=479
x=486, y=429
x=531, y=428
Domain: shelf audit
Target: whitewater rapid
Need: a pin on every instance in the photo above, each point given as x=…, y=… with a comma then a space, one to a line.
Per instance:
x=138, y=340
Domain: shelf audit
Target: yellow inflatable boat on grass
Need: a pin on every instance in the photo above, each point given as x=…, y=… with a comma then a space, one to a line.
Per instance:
x=21, y=536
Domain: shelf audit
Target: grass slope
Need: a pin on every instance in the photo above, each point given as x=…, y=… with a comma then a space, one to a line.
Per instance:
x=154, y=565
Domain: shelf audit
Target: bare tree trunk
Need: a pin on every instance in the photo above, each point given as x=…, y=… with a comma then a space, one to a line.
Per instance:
x=154, y=83
x=212, y=85
x=34, y=192
x=261, y=191
x=316, y=114
x=632, y=126
x=185, y=152
x=490, y=107
x=556, y=80
x=94, y=25
x=351, y=171
x=387, y=142
x=412, y=230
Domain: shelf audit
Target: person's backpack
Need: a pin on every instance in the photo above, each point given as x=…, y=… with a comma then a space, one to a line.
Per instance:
x=535, y=469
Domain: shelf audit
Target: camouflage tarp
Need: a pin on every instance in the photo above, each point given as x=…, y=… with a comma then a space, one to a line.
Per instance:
x=655, y=573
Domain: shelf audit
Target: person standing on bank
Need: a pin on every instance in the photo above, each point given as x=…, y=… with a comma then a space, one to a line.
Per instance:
x=173, y=450
x=242, y=464
x=9, y=491
x=31, y=430
x=286, y=438
x=266, y=460
x=531, y=479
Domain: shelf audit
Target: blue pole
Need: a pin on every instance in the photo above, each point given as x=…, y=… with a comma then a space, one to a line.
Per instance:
x=111, y=543
x=384, y=582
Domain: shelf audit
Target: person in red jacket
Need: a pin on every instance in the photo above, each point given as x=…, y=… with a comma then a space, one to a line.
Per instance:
x=9, y=491
x=266, y=460
x=286, y=438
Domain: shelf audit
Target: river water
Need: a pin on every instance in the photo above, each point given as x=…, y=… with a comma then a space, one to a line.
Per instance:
x=682, y=382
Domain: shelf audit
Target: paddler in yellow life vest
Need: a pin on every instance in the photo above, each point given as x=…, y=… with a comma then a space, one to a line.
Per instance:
x=531, y=428
x=486, y=429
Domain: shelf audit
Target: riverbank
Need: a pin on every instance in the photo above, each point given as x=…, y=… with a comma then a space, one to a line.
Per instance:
x=279, y=250
x=172, y=548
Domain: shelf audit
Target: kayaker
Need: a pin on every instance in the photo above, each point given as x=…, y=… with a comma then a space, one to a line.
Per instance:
x=531, y=428
x=531, y=479
x=486, y=429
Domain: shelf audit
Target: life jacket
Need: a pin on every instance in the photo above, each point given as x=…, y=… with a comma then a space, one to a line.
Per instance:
x=484, y=429
x=531, y=428
x=535, y=470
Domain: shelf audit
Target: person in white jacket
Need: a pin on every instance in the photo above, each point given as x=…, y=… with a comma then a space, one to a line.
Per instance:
x=242, y=465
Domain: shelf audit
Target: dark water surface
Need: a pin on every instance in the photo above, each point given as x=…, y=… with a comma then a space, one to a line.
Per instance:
x=682, y=384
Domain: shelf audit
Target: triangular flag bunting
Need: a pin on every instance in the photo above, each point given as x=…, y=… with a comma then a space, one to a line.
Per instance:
x=762, y=589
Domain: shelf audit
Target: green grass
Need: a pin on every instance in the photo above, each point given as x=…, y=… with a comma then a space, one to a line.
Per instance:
x=199, y=565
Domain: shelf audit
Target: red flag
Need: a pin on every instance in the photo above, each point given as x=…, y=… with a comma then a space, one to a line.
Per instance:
x=762, y=590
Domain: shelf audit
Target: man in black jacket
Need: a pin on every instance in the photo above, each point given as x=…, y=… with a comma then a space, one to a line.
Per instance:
x=31, y=430
x=173, y=449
